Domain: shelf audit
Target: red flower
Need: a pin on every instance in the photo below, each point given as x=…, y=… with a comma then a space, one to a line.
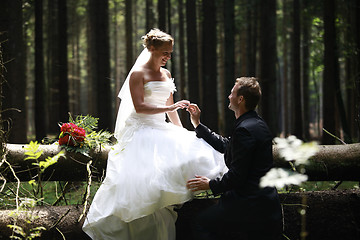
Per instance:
x=71, y=134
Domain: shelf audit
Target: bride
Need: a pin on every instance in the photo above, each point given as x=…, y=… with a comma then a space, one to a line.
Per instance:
x=149, y=166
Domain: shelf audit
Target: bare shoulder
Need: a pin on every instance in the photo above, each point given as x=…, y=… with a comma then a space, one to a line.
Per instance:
x=137, y=75
x=167, y=72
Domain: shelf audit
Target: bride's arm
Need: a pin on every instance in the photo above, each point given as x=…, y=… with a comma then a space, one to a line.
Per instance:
x=136, y=85
x=173, y=116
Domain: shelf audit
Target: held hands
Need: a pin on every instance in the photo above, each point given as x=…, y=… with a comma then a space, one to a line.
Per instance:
x=198, y=183
x=195, y=113
x=179, y=105
x=192, y=108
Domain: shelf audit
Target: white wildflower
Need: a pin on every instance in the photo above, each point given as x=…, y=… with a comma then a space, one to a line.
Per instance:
x=279, y=177
x=293, y=149
x=27, y=202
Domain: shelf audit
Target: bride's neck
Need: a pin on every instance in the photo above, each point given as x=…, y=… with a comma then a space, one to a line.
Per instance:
x=153, y=65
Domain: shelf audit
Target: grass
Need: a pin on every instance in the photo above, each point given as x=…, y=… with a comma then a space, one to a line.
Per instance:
x=52, y=191
x=75, y=191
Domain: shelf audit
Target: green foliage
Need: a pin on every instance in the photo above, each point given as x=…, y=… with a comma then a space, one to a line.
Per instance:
x=87, y=122
x=24, y=234
x=25, y=214
x=50, y=161
x=33, y=153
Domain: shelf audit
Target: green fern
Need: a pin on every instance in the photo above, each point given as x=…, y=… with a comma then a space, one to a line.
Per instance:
x=32, y=151
x=87, y=122
x=50, y=161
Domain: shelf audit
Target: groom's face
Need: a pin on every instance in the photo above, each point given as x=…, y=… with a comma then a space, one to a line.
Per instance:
x=234, y=99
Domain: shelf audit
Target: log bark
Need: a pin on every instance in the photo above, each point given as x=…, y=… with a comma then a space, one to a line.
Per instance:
x=71, y=167
x=320, y=221
x=57, y=220
x=331, y=163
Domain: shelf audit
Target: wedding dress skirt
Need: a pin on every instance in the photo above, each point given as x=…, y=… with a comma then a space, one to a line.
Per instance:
x=146, y=175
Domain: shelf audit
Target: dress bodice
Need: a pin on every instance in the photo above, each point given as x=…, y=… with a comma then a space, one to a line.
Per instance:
x=155, y=93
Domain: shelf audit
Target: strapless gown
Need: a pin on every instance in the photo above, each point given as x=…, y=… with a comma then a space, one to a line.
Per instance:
x=146, y=175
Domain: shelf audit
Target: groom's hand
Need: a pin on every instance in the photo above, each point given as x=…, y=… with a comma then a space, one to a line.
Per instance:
x=195, y=113
x=198, y=183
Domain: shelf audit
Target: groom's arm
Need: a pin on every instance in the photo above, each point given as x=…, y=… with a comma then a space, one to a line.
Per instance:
x=218, y=142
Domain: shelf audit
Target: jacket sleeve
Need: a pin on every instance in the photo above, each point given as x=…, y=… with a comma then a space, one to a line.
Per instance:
x=218, y=142
x=242, y=150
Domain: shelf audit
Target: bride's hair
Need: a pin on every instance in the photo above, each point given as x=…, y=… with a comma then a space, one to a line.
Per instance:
x=156, y=38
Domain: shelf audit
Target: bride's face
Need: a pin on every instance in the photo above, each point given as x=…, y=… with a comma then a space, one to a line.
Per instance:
x=162, y=54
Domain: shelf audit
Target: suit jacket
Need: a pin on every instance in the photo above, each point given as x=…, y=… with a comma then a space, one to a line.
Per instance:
x=248, y=156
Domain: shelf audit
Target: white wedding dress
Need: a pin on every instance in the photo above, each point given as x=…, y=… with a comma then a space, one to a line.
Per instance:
x=146, y=175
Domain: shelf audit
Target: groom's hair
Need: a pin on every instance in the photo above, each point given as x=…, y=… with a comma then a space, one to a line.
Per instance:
x=156, y=38
x=250, y=89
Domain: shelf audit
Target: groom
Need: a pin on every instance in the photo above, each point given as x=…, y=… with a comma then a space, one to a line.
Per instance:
x=243, y=205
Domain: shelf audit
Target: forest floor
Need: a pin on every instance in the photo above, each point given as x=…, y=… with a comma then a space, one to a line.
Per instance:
x=330, y=215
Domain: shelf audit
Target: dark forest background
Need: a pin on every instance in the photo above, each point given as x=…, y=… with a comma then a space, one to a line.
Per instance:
x=62, y=56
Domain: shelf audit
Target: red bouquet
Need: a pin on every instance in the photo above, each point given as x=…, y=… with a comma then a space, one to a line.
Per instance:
x=71, y=135
x=78, y=135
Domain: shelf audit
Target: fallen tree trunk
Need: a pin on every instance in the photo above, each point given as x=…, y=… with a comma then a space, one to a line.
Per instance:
x=331, y=163
x=330, y=215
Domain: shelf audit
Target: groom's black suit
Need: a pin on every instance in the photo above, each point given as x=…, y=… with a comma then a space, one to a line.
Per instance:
x=243, y=204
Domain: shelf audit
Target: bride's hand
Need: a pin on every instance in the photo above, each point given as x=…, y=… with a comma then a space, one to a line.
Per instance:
x=179, y=105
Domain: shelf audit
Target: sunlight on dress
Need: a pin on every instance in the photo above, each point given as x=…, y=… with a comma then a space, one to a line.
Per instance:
x=147, y=173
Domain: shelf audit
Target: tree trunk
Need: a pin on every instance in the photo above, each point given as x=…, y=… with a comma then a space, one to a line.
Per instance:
x=297, y=103
x=149, y=15
x=116, y=60
x=305, y=71
x=162, y=15
x=48, y=217
x=220, y=18
x=330, y=72
x=53, y=94
x=229, y=62
x=251, y=37
x=169, y=30
x=129, y=35
x=332, y=162
x=286, y=117
x=100, y=62
x=182, y=77
x=209, y=65
x=192, y=52
x=268, y=64
x=357, y=80
x=40, y=117
x=349, y=13
x=14, y=94
x=63, y=84
x=75, y=98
